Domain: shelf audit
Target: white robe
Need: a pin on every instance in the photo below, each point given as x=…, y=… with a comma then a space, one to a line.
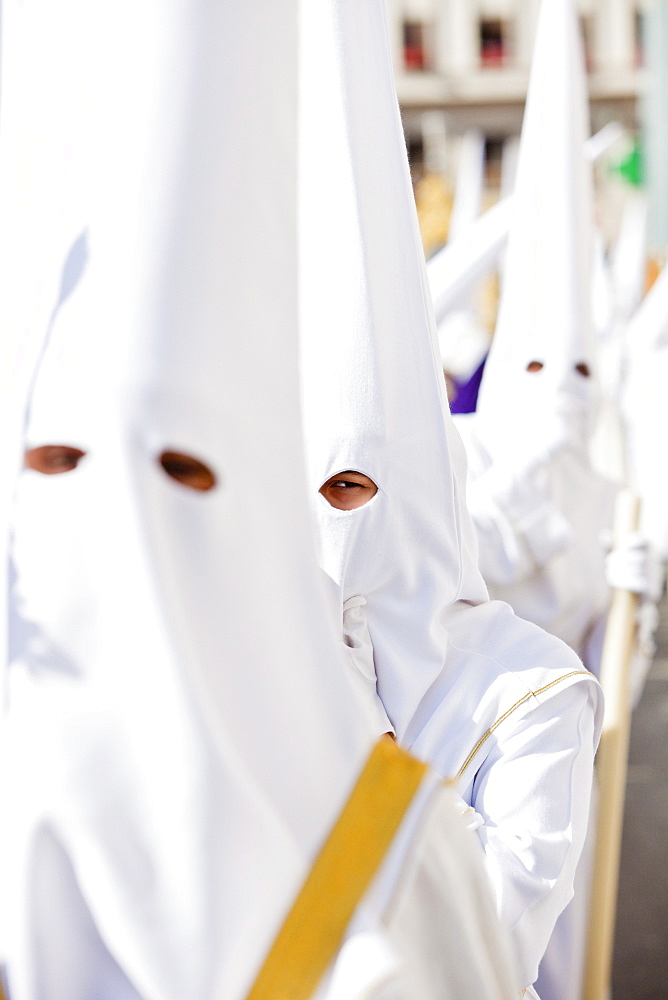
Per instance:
x=421, y=939
x=463, y=682
x=178, y=734
x=542, y=537
x=520, y=745
x=540, y=551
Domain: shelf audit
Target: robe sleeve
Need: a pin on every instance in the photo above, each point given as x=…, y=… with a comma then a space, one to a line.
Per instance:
x=518, y=527
x=533, y=794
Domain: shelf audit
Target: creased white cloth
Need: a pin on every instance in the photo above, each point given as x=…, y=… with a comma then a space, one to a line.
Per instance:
x=458, y=674
x=517, y=521
x=561, y=972
x=359, y=651
x=154, y=675
x=416, y=950
x=533, y=839
x=545, y=307
x=540, y=509
x=180, y=728
x=538, y=504
x=538, y=549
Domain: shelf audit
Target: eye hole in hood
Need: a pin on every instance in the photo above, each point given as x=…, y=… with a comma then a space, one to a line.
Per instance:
x=348, y=490
x=53, y=459
x=188, y=470
x=583, y=368
x=535, y=366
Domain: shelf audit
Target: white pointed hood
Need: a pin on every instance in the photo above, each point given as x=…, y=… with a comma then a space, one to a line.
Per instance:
x=545, y=308
x=43, y=120
x=373, y=391
x=178, y=725
x=455, y=270
x=453, y=669
x=448, y=661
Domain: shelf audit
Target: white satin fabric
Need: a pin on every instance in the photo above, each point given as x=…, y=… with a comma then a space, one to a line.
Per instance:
x=545, y=309
x=465, y=683
x=417, y=952
x=43, y=109
x=539, y=549
x=179, y=730
x=141, y=768
x=455, y=270
x=539, y=506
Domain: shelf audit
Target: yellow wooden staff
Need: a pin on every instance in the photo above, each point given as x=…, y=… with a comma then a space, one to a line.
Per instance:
x=611, y=768
x=352, y=854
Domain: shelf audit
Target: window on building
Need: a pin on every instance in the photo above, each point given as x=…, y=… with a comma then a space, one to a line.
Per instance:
x=493, y=42
x=417, y=55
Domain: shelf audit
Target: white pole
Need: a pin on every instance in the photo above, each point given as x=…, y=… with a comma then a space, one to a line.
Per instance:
x=458, y=48
x=615, y=49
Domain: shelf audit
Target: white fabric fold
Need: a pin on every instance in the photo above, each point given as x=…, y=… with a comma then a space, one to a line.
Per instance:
x=539, y=505
x=545, y=307
x=540, y=388
x=180, y=728
x=164, y=640
x=405, y=957
x=456, y=672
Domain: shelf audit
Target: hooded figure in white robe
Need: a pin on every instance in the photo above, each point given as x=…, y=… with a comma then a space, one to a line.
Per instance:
x=485, y=697
x=179, y=730
x=538, y=506
x=541, y=509
x=541, y=506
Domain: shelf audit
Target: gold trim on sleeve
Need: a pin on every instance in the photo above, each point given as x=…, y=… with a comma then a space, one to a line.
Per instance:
x=513, y=708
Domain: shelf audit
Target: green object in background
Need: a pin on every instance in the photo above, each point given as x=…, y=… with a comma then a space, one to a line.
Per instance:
x=632, y=167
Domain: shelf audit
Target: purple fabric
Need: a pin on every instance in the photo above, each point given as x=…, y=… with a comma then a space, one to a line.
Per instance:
x=467, y=392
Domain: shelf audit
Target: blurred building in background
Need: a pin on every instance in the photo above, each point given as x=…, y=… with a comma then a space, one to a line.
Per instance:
x=462, y=68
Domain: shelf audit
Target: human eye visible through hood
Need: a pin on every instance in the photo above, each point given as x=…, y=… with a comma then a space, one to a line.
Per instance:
x=52, y=459
x=348, y=490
